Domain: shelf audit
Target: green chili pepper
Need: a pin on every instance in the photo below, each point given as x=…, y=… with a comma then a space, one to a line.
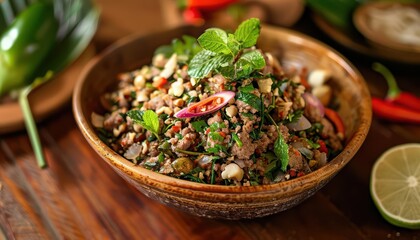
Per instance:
x=25, y=44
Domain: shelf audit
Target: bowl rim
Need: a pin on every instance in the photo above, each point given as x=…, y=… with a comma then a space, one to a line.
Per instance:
x=141, y=174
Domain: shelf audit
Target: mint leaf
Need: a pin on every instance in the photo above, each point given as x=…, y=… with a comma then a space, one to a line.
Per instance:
x=148, y=119
x=254, y=58
x=226, y=53
x=151, y=120
x=249, y=62
x=248, y=32
x=206, y=61
x=233, y=44
x=281, y=150
x=215, y=40
x=247, y=88
x=250, y=99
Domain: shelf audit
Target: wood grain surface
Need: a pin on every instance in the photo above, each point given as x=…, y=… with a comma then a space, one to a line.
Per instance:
x=80, y=197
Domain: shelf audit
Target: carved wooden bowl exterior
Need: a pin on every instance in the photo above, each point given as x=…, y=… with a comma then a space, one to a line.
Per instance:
x=227, y=202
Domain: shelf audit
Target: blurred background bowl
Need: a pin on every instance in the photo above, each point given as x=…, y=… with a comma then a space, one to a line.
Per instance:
x=394, y=13
x=294, y=50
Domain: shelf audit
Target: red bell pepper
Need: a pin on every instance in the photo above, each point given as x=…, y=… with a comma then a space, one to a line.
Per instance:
x=390, y=111
x=394, y=94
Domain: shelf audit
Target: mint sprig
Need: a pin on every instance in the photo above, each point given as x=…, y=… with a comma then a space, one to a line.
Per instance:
x=228, y=54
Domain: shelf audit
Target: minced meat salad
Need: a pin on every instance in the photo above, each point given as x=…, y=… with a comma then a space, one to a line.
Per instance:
x=218, y=110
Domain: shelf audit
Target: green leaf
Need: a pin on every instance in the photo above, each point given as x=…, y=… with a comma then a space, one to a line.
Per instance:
x=247, y=88
x=214, y=40
x=250, y=99
x=199, y=126
x=76, y=37
x=206, y=61
x=151, y=119
x=236, y=138
x=282, y=152
x=253, y=58
x=233, y=44
x=147, y=119
x=248, y=32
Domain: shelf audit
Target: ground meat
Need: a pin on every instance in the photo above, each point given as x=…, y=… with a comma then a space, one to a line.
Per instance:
x=247, y=149
x=312, y=113
x=295, y=159
x=217, y=118
x=113, y=120
x=329, y=132
x=186, y=141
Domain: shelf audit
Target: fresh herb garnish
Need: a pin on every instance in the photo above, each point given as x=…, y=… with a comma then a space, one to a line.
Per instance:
x=199, y=126
x=236, y=138
x=227, y=53
x=250, y=99
x=147, y=119
x=281, y=149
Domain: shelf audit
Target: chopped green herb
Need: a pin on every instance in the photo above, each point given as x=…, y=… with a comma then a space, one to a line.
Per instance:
x=161, y=157
x=216, y=136
x=247, y=89
x=237, y=140
x=216, y=126
x=217, y=149
x=293, y=116
x=199, y=126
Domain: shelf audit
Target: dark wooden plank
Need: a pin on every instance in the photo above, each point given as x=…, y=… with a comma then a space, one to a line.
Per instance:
x=20, y=213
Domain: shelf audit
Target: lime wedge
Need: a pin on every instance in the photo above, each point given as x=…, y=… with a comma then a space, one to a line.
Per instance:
x=395, y=185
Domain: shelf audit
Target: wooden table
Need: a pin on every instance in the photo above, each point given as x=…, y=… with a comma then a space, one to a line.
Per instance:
x=80, y=197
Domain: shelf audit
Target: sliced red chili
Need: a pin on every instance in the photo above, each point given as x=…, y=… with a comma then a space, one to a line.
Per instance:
x=322, y=146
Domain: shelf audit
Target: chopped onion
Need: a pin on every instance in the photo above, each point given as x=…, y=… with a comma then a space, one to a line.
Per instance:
x=306, y=152
x=133, y=151
x=206, y=106
x=301, y=124
x=313, y=101
x=97, y=120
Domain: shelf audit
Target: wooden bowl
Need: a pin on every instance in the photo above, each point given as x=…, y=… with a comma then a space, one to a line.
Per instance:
x=227, y=202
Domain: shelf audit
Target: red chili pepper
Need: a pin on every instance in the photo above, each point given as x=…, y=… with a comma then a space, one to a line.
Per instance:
x=176, y=128
x=193, y=16
x=159, y=83
x=336, y=120
x=394, y=94
x=390, y=111
x=322, y=146
x=222, y=134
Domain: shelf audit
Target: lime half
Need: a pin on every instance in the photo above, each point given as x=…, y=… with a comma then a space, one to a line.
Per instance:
x=395, y=185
